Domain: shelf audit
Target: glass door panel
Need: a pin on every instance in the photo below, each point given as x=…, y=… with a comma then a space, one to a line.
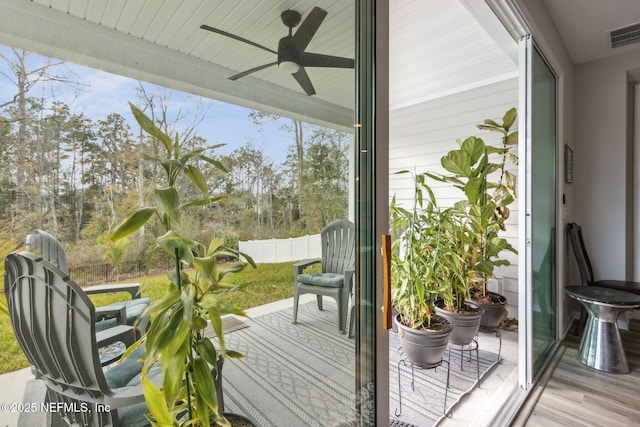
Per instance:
x=308, y=373
x=540, y=153
x=371, y=189
x=544, y=148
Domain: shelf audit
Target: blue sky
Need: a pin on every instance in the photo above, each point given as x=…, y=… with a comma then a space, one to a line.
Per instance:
x=105, y=93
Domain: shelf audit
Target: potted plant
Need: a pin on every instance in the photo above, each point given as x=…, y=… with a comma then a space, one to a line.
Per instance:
x=175, y=339
x=419, y=268
x=453, y=301
x=482, y=214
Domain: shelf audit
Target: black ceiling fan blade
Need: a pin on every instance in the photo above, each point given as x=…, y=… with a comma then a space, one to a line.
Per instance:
x=252, y=70
x=308, y=28
x=319, y=60
x=233, y=36
x=303, y=80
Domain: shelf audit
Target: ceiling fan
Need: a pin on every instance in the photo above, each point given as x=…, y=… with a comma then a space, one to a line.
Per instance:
x=292, y=57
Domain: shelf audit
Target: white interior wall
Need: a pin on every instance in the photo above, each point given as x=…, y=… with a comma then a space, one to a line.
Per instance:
x=422, y=133
x=603, y=175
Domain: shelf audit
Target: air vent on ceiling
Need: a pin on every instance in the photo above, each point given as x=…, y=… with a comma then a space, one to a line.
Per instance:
x=624, y=36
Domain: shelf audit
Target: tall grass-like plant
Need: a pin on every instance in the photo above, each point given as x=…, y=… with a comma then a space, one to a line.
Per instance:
x=197, y=293
x=422, y=263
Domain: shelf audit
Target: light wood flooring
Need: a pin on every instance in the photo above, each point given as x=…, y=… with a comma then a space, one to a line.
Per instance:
x=572, y=394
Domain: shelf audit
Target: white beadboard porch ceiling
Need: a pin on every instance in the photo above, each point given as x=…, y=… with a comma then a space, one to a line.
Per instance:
x=161, y=41
x=438, y=48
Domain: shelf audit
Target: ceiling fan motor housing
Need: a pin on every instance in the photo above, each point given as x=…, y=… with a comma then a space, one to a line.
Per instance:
x=287, y=51
x=288, y=54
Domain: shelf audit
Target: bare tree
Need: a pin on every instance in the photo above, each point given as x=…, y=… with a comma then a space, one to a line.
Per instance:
x=185, y=122
x=294, y=127
x=80, y=140
x=25, y=79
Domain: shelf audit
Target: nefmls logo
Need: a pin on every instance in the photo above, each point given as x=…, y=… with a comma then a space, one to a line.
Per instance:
x=72, y=407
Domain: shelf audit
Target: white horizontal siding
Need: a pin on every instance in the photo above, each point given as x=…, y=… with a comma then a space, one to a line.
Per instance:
x=421, y=134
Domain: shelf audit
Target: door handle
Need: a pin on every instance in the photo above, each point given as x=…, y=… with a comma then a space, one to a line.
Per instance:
x=386, y=279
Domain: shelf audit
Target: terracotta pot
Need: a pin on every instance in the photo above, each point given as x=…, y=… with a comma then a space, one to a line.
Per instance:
x=465, y=325
x=424, y=348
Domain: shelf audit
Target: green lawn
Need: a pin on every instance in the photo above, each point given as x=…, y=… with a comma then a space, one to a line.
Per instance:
x=267, y=283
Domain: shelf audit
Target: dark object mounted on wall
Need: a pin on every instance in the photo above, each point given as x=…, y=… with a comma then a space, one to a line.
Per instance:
x=568, y=164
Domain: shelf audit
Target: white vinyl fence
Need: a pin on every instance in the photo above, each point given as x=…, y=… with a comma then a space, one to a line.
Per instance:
x=282, y=250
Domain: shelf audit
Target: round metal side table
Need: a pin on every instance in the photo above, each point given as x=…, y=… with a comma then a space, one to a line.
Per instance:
x=601, y=346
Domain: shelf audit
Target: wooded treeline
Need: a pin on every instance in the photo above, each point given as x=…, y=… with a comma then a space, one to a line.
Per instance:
x=78, y=176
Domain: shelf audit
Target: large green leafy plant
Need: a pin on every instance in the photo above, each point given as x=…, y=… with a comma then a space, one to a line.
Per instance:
x=196, y=294
x=480, y=172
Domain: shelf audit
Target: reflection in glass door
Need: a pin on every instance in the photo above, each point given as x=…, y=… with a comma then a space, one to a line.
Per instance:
x=540, y=211
x=308, y=373
x=543, y=115
x=254, y=54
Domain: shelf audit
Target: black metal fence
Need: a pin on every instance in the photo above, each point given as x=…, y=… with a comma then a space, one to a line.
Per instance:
x=105, y=273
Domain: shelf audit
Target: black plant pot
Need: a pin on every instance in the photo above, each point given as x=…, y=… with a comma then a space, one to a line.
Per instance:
x=493, y=312
x=238, y=420
x=217, y=380
x=465, y=325
x=424, y=348
x=394, y=313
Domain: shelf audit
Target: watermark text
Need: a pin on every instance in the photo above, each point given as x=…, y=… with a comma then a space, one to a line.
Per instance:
x=23, y=407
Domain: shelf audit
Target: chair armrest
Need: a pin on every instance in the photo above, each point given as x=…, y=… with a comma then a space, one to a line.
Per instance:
x=130, y=395
x=117, y=311
x=348, y=279
x=347, y=289
x=123, y=333
x=132, y=288
x=299, y=267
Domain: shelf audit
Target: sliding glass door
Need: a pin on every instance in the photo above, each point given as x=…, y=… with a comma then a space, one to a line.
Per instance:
x=253, y=54
x=372, y=176
x=539, y=152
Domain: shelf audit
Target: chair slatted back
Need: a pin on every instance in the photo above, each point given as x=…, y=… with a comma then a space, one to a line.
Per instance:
x=338, y=247
x=48, y=247
x=54, y=322
x=580, y=252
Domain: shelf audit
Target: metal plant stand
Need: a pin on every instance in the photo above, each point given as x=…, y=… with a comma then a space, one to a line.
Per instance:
x=495, y=330
x=469, y=348
x=403, y=361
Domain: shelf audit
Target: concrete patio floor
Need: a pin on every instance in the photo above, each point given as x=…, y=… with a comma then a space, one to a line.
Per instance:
x=12, y=388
